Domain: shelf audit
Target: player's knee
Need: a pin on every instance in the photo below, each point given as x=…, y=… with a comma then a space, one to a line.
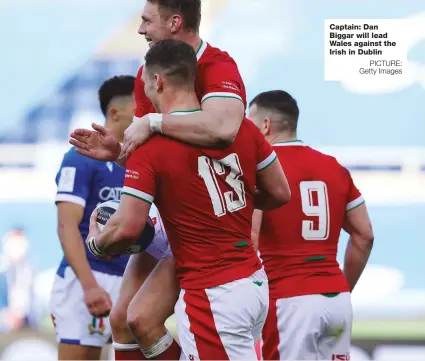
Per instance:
x=117, y=318
x=138, y=320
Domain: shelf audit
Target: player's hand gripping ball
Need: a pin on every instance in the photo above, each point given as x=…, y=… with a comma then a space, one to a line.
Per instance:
x=105, y=211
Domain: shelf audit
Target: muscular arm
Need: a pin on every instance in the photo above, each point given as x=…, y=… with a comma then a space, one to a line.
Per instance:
x=215, y=126
x=69, y=217
x=272, y=188
x=124, y=227
x=358, y=225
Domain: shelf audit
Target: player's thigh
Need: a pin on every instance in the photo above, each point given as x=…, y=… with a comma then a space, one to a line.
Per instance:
x=338, y=319
x=298, y=327
x=74, y=324
x=78, y=352
x=137, y=271
x=155, y=299
x=218, y=323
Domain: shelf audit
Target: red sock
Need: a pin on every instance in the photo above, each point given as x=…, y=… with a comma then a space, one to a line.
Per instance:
x=129, y=355
x=172, y=353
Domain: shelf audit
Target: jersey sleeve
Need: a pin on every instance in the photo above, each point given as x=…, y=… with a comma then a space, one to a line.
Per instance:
x=354, y=197
x=221, y=79
x=265, y=153
x=140, y=174
x=143, y=104
x=74, y=178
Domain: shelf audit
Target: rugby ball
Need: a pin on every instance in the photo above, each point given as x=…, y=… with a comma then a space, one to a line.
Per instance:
x=105, y=211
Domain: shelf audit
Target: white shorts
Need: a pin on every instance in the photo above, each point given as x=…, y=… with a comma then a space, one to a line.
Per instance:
x=311, y=327
x=159, y=246
x=73, y=322
x=223, y=322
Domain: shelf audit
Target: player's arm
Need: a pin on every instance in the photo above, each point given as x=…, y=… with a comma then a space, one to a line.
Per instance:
x=215, y=126
x=257, y=218
x=358, y=225
x=272, y=186
x=69, y=218
x=222, y=109
x=73, y=182
x=124, y=227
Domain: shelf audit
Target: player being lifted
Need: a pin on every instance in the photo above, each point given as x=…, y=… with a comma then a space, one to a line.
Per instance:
x=310, y=313
x=221, y=92
x=206, y=199
x=85, y=286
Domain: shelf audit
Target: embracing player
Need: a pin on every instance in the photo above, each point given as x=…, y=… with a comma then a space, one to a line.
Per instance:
x=206, y=199
x=221, y=92
x=310, y=314
x=85, y=286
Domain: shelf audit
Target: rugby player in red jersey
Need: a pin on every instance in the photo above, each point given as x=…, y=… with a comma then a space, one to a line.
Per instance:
x=206, y=199
x=310, y=313
x=221, y=92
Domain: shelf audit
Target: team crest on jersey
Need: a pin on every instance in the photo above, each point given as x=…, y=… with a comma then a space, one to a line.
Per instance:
x=96, y=326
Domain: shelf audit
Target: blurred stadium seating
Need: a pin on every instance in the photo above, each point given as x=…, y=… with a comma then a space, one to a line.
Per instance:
x=55, y=65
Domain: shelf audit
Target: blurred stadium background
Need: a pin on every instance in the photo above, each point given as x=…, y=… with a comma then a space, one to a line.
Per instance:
x=57, y=53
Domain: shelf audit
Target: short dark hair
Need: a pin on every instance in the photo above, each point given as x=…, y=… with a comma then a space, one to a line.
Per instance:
x=281, y=102
x=175, y=59
x=189, y=10
x=117, y=86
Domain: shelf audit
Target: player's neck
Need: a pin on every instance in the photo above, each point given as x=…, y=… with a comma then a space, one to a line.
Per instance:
x=193, y=39
x=282, y=138
x=180, y=101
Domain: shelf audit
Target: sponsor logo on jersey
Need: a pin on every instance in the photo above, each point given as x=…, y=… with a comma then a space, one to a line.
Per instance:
x=345, y=357
x=109, y=193
x=96, y=326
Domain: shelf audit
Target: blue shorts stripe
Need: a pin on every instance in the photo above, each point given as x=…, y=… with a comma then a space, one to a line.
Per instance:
x=69, y=341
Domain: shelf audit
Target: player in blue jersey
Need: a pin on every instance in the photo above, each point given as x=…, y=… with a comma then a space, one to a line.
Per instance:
x=85, y=286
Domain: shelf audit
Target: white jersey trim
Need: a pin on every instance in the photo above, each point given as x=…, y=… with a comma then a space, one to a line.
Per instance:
x=138, y=194
x=221, y=95
x=291, y=143
x=355, y=203
x=201, y=49
x=266, y=162
x=61, y=197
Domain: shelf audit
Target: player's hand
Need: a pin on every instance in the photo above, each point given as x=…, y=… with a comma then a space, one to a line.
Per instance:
x=136, y=134
x=98, y=301
x=94, y=231
x=99, y=144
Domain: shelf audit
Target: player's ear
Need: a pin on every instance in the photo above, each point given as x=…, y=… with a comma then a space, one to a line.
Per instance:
x=112, y=113
x=159, y=81
x=175, y=23
x=266, y=126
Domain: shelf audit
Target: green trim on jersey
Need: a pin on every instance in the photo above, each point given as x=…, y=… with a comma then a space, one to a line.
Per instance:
x=357, y=206
x=133, y=195
x=200, y=47
x=184, y=111
x=290, y=141
x=315, y=258
x=331, y=294
x=241, y=244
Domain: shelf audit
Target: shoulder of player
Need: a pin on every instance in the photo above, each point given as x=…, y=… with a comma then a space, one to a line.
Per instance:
x=330, y=160
x=72, y=156
x=156, y=143
x=215, y=56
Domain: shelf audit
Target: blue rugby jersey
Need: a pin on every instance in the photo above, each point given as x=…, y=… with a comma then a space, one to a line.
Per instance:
x=88, y=182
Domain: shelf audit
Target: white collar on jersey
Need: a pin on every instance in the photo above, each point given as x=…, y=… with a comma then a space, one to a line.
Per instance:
x=183, y=112
x=201, y=49
x=295, y=142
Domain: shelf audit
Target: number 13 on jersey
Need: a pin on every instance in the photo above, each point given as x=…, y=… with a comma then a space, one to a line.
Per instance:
x=315, y=203
x=208, y=169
